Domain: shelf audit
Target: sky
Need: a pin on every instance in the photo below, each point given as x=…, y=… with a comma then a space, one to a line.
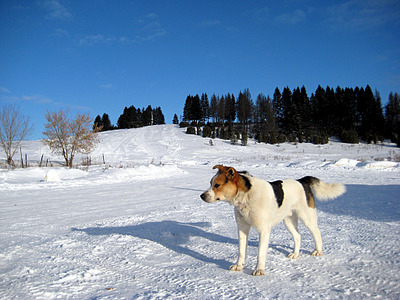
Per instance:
x=99, y=56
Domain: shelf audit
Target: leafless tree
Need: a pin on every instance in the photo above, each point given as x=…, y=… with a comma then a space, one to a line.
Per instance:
x=68, y=136
x=14, y=127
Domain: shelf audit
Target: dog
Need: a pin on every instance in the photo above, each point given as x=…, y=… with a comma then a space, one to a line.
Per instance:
x=262, y=205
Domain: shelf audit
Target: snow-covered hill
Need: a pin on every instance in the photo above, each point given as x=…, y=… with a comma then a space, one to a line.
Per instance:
x=135, y=226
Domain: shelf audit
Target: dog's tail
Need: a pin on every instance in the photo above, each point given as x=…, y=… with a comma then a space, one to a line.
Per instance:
x=322, y=190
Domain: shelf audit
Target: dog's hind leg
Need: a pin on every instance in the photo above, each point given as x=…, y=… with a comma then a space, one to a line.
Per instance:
x=243, y=233
x=291, y=223
x=310, y=220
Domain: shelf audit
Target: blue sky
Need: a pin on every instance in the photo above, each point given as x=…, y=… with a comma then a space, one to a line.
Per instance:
x=99, y=56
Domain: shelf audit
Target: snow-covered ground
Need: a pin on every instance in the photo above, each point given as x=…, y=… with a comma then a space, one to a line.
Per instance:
x=135, y=227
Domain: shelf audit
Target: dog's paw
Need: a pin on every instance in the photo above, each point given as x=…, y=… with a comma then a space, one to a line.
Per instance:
x=316, y=253
x=236, y=268
x=293, y=255
x=258, y=272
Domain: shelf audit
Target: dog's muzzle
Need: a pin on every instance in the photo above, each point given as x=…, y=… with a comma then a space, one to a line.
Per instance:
x=203, y=196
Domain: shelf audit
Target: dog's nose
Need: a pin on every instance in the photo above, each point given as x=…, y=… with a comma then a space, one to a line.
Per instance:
x=203, y=196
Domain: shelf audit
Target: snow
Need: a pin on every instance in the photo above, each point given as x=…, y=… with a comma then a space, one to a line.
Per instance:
x=133, y=226
x=52, y=175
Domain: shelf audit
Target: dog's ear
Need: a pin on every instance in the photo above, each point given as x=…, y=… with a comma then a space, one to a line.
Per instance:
x=231, y=173
x=219, y=167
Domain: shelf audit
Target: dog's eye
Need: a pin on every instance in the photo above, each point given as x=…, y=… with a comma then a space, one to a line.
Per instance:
x=216, y=185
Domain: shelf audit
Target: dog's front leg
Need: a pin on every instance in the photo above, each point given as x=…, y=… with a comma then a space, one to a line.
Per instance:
x=243, y=233
x=262, y=253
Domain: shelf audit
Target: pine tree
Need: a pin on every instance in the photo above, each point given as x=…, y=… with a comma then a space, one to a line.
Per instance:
x=175, y=120
x=278, y=107
x=205, y=107
x=97, y=122
x=370, y=110
x=392, y=114
x=214, y=108
x=288, y=112
x=221, y=109
x=158, y=116
x=245, y=107
x=187, y=108
x=105, y=120
x=230, y=109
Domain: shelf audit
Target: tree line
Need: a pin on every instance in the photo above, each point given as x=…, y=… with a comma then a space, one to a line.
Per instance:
x=131, y=117
x=352, y=114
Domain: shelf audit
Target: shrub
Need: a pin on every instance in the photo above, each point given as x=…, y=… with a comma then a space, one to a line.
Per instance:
x=191, y=130
x=349, y=136
x=207, y=131
x=183, y=124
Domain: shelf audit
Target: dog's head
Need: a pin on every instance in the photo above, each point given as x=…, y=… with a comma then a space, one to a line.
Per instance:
x=224, y=185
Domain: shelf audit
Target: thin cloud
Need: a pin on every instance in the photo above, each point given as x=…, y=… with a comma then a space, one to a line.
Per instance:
x=37, y=99
x=151, y=28
x=69, y=106
x=61, y=33
x=291, y=18
x=107, y=86
x=360, y=15
x=4, y=90
x=210, y=23
x=55, y=10
x=260, y=14
x=97, y=39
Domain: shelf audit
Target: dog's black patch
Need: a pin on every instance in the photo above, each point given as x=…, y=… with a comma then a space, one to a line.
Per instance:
x=307, y=182
x=247, y=183
x=245, y=173
x=278, y=191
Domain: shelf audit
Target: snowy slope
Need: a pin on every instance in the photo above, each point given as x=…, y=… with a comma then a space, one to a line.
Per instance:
x=135, y=228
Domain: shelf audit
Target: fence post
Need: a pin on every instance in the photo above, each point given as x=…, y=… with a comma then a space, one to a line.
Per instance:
x=22, y=159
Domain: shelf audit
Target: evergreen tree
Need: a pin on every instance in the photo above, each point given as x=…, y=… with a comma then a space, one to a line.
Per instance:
x=106, y=123
x=370, y=110
x=230, y=109
x=288, y=123
x=205, y=107
x=221, y=109
x=214, y=108
x=187, y=108
x=265, y=118
x=158, y=116
x=130, y=118
x=244, y=107
x=97, y=122
x=175, y=120
x=148, y=116
x=392, y=114
x=278, y=107
x=196, y=111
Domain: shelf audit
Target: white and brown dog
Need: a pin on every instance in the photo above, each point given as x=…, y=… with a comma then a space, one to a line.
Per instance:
x=262, y=205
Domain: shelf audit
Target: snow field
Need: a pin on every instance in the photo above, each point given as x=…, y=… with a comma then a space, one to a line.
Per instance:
x=136, y=228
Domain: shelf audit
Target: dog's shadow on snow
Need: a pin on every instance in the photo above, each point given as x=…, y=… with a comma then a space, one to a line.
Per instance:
x=176, y=236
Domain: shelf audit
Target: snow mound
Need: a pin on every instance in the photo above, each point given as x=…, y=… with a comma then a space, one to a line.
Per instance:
x=380, y=165
x=52, y=175
x=346, y=162
x=352, y=163
x=139, y=173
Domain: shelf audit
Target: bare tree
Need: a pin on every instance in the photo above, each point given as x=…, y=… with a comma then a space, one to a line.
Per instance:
x=14, y=127
x=67, y=136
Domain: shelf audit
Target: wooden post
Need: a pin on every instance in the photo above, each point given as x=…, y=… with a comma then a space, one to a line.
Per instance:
x=22, y=159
